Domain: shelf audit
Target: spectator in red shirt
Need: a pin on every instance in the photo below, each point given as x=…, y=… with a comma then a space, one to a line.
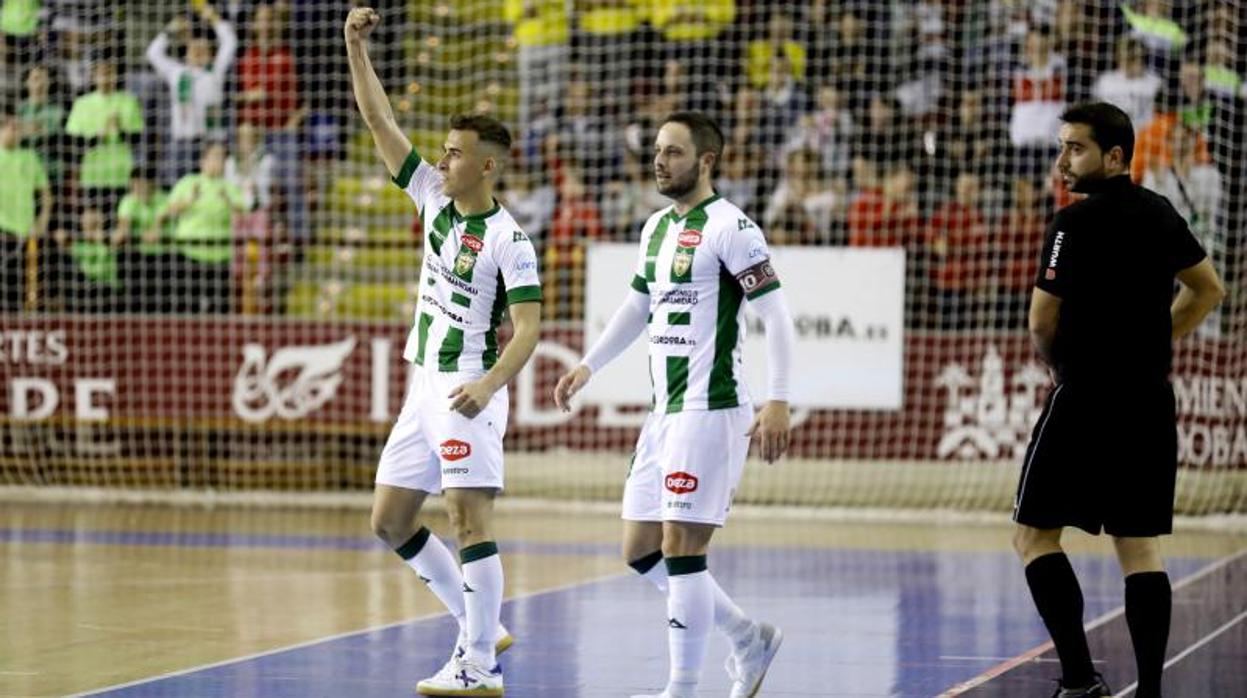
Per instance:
x=1015, y=248
x=887, y=215
x=270, y=99
x=576, y=219
x=957, y=246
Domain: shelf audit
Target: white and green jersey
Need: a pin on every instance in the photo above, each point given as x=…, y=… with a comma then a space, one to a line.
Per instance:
x=698, y=269
x=474, y=267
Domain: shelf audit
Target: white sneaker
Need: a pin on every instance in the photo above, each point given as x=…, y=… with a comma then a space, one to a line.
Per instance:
x=748, y=668
x=502, y=642
x=462, y=678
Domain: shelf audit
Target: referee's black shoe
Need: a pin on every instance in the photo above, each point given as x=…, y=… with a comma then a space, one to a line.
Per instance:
x=1097, y=689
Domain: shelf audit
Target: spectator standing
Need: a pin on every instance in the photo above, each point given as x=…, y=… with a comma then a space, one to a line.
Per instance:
x=957, y=246
x=42, y=121
x=145, y=261
x=203, y=206
x=196, y=87
x=1038, y=100
x=24, y=190
x=1132, y=87
x=106, y=121
x=270, y=100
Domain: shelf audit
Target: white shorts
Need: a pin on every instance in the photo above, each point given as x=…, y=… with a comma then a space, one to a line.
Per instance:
x=687, y=465
x=431, y=448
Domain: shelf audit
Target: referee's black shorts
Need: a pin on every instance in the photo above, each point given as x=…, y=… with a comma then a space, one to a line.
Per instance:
x=1102, y=457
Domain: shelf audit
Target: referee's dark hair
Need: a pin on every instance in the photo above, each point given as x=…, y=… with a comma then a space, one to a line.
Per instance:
x=707, y=137
x=487, y=129
x=1110, y=126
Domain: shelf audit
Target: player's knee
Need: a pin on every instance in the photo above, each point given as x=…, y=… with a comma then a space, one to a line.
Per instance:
x=1138, y=555
x=390, y=528
x=1029, y=543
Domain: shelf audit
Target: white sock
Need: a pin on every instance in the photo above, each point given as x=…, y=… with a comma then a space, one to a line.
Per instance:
x=690, y=613
x=433, y=562
x=728, y=618
x=482, y=596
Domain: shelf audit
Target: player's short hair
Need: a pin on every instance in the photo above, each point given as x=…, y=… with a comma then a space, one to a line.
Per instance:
x=707, y=137
x=486, y=128
x=1110, y=126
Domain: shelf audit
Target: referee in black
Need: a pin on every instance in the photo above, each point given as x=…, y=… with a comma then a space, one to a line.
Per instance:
x=1103, y=455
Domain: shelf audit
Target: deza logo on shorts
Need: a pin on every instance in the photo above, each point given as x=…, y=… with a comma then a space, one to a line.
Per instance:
x=454, y=449
x=681, y=482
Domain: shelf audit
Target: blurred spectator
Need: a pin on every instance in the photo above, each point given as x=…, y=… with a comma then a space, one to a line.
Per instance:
x=270, y=100
x=203, y=206
x=576, y=220
x=530, y=199
x=629, y=202
x=804, y=209
x=195, y=87
x=921, y=58
x=691, y=29
x=1221, y=77
x=1132, y=86
x=250, y=167
x=20, y=19
x=736, y=181
x=576, y=217
x=541, y=33
x=88, y=278
x=1038, y=100
x=1189, y=108
x=145, y=261
x=779, y=41
x=782, y=104
x=886, y=215
x=1016, y=247
x=848, y=51
x=970, y=138
x=43, y=121
x=608, y=44
x=887, y=138
x=957, y=244
x=828, y=131
x=106, y=121
x=1194, y=188
x=85, y=32
x=24, y=190
x=1151, y=21
x=587, y=137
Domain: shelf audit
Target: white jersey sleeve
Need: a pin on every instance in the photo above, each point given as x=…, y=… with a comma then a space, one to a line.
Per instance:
x=517, y=262
x=747, y=257
x=421, y=182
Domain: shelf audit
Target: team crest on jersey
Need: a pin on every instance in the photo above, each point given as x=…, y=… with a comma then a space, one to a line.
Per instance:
x=683, y=261
x=465, y=262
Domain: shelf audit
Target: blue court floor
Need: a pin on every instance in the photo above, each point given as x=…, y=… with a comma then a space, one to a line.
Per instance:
x=857, y=623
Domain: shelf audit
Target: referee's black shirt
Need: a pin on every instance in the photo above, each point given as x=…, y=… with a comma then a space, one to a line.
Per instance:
x=1112, y=259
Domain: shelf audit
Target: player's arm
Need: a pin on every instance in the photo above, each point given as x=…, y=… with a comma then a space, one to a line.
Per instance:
x=1045, y=313
x=373, y=103
x=1200, y=292
x=766, y=297
x=628, y=321
x=470, y=398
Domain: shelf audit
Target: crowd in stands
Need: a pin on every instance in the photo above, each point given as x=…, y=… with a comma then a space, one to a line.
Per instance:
x=927, y=125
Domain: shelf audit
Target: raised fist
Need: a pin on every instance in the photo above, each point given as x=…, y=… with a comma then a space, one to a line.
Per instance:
x=359, y=23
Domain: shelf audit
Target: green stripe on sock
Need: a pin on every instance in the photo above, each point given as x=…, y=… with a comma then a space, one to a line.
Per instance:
x=689, y=564
x=413, y=546
x=480, y=551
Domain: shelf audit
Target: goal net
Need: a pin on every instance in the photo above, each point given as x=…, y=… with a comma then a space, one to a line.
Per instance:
x=209, y=278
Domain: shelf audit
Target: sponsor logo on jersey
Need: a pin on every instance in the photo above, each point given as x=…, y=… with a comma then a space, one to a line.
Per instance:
x=743, y=224
x=681, y=482
x=518, y=236
x=473, y=243
x=454, y=471
x=290, y=384
x=683, y=261
x=525, y=265
x=1049, y=274
x=689, y=238
x=454, y=449
x=1056, y=249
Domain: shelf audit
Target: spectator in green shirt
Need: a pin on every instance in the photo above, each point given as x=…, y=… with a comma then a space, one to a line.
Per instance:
x=42, y=121
x=22, y=178
x=203, y=206
x=88, y=274
x=146, y=260
x=106, y=119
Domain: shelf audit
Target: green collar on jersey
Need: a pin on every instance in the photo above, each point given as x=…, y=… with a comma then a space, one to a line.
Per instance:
x=677, y=218
x=454, y=211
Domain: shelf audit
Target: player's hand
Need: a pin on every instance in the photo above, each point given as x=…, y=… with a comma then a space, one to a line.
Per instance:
x=772, y=430
x=470, y=398
x=569, y=385
x=359, y=23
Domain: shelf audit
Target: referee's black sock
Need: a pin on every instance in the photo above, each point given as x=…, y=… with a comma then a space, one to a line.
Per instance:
x=1059, y=601
x=1149, y=602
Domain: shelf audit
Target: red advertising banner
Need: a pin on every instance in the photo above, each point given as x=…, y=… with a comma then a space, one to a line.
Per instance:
x=967, y=397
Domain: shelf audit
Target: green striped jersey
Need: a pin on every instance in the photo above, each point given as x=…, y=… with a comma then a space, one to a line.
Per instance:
x=698, y=269
x=474, y=267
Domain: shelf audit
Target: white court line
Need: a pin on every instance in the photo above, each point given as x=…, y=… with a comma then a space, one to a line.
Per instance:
x=332, y=638
x=1188, y=651
x=1034, y=652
